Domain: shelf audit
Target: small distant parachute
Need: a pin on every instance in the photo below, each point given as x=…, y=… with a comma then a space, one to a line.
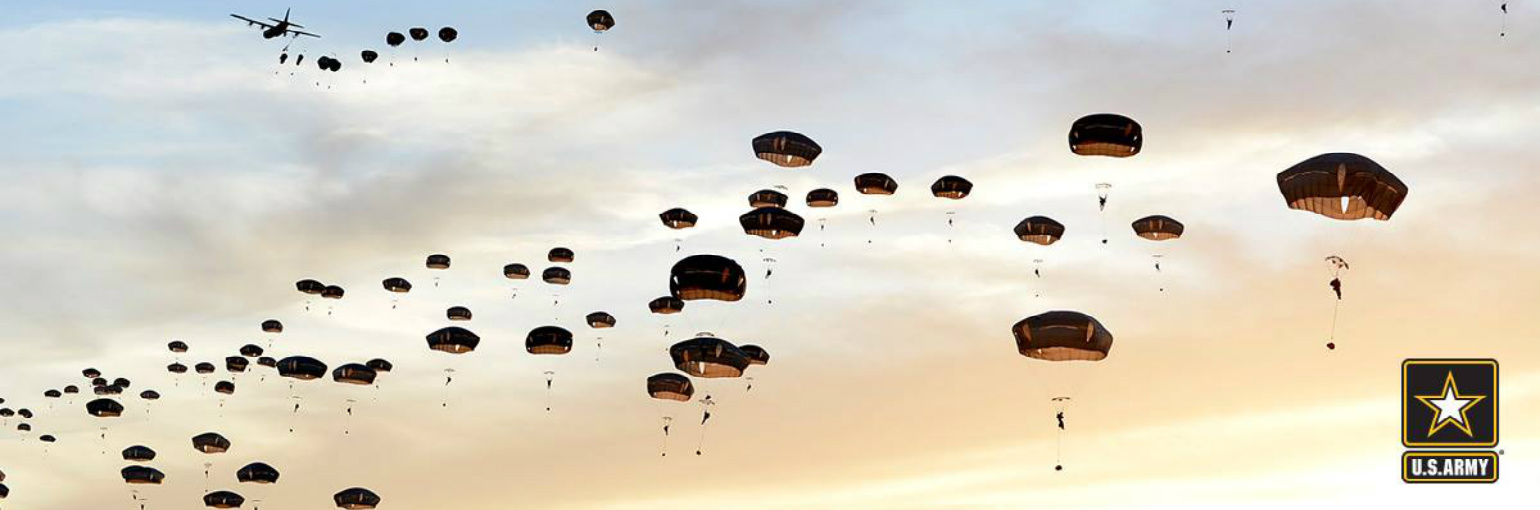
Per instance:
x=138, y=453
x=309, y=286
x=1040, y=230
x=223, y=499
x=224, y=388
x=786, y=149
x=1062, y=336
x=176, y=368
x=458, y=313
x=394, y=39
x=397, y=285
x=332, y=292
x=91, y=373
x=272, y=326
x=548, y=340
x=667, y=305
x=670, y=386
x=68, y=390
x=380, y=365
x=1342, y=186
x=354, y=373
x=53, y=394
x=556, y=275
x=356, y=498
x=560, y=255
x=149, y=395
x=121, y=382
x=600, y=320
x=1158, y=228
x=142, y=475
x=767, y=198
x=47, y=438
x=177, y=346
x=876, y=184
x=453, y=340
x=952, y=187
x=267, y=361
x=771, y=223
x=104, y=408
x=210, y=442
x=258, y=473
x=677, y=218
x=448, y=34
x=438, y=261
x=304, y=368
x=705, y=277
x=236, y=364
x=204, y=368
x=823, y=197
x=25, y=413
x=417, y=33
x=369, y=56
x=709, y=357
x=516, y=272
x=251, y=350
x=601, y=21
x=1106, y=134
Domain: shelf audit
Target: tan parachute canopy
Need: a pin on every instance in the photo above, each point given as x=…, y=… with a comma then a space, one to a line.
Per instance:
x=1342, y=186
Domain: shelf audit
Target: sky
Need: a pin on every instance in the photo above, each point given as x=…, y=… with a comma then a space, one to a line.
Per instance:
x=165, y=179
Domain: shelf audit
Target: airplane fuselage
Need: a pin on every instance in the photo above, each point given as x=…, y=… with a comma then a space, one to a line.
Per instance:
x=276, y=31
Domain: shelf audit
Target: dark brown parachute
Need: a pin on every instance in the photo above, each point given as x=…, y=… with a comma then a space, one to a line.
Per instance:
x=142, y=475
x=108, y=390
x=670, y=386
x=53, y=394
x=677, y=218
x=176, y=368
x=708, y=357
x=417, y=33
x=823, y=197
x=210, y=442
x=223, y=499
x=91, y=373
x=267, y=361
x=251, y=350
x=1342, y=186
x=600, y=320
x=438, y=261
x=1106, y=134
x=394, y=39
x=666, y=305
x=601, y=20
x=397, y=285
x=786, y=149
x=1158, y=228
x=548, y=340
x=204, y=368
x=560, y=255
x=380, y=365
x=876, y=184
x=257, y=472
x=458, y=313
x=453, y=340
x=516, y=272
x=448, y=34
x=236, y=364
x=177, y=346
x=99, y=382
x=556, y=276
x=1062, y=336
x=771, y=223
x=149, y=395
x=356, y=498
x=756, y=354
x=309, y=286
x=303, y=368
x=332, y=292
x=104, y=408
x=224, y=388
x=369, y=56
x=354, y=373
x=71, y=390
x=767, y=198
x=1040, y=230
x=706, y=277
x=121, y=382
x=47, y=438
x=138, y=453
x=952, y=187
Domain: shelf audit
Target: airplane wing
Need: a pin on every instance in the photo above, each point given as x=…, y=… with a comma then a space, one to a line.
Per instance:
x=250, y=21
x=298, y=33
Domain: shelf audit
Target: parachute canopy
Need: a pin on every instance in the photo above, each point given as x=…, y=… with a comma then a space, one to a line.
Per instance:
x=354, y=373
x=823, y=197
x=223, y=499
x=104, y=408
x=453, y=340
x=670, y=386
x=1040, y=230
x=771, y=223
x=258, y=473
x=952, y=187
x=560, y=255
x=417, y=33
x=304, y=368
x=677, y=218
x=516, y=272
x=438, y=261
x=1106, y=134
x=667, y=305
x=394, y=39
x=309, y=286
x=397, y=284
x=448, y=34
x=138, y=453
x=458, y=313
x=601, y=20
x=142, y=475
x=709, y=357
x=356, y=498
x=177, y=346
x=600, y=320
x=786, y=149
x=1158, y=228
x=1342, y=186
x=210, y=442
x=876, y=184
x=756, y=354
x=767, y=198
x=556, y=275
x=369, y=56
x=706, y=277
x=548, y=340
x=1062, y=336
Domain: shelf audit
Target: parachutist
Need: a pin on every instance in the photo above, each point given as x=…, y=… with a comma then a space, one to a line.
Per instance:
x=1336, y=287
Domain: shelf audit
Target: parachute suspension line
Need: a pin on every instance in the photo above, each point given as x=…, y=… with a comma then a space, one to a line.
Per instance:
x=706, y=404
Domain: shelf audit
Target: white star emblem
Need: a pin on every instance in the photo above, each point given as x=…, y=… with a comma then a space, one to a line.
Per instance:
x=1451, y=407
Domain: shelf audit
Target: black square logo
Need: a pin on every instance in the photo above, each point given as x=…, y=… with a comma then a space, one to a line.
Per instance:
x=1449, y=403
